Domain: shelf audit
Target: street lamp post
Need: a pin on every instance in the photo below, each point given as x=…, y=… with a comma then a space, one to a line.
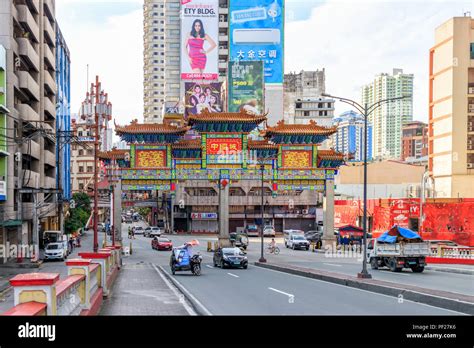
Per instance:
x=365, y=110
x=96, y=105
x=262, y=257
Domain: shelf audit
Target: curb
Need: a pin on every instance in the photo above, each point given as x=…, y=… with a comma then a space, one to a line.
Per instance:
x=369, y=285
x=450, y=270
x=198, y=307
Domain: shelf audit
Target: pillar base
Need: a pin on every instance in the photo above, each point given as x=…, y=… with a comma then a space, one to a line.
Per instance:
x=362, y=275
x=224, y=242
x=328, y=241
x=262, y=260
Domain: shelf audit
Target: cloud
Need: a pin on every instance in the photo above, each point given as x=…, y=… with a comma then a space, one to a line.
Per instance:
x=354, y=41
x=113, y=48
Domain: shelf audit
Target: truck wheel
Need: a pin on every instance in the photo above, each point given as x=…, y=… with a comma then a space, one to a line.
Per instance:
x=418, y=269
x=392, y=264
x=374, y=263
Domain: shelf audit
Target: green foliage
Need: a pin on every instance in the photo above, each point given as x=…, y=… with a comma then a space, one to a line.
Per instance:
x=82, y=200
x=77, y=219
x=143, y=211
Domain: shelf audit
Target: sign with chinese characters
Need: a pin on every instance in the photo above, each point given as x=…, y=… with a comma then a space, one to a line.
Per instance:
x=150, y=158
x=204, y=216
x=296, y=159
x=256, y=30
x=224, y=149
x=246, y=87
x=199, y=39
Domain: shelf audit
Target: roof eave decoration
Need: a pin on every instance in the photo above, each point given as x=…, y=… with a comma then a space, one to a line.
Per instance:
x=330, y=159
x=298, y=133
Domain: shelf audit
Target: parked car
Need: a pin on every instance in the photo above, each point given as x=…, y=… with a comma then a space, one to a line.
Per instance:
x=146, y=231
x=161, y=243
x=298, y=241
x=101, y=227
x=313, y=236
x=138, y=230
x=55, y=251
x=268, y=231
x=152, y=232
x=251, y=230
x=230, y=257
x=288, y=233
x=239, y=240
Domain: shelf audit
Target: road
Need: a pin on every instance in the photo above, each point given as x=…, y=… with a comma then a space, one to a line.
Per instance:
x=258, y=291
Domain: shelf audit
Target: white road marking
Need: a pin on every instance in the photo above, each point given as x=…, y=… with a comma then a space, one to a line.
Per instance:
x=281, y=292
x=233, y=275
x=209, y=266
x=183, y=289
x=178, y=295
x=332, y=264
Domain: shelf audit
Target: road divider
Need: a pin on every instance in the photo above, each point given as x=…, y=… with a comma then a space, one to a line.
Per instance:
x=443, y=299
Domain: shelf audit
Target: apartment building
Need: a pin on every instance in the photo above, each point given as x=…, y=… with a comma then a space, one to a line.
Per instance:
x=414, y=141
x=320, y=110
x=82, y=157
x=387, y=120
x=162, y=50
x=451, y=108
x=27, y=32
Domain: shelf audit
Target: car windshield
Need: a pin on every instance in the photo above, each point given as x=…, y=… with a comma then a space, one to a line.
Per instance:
x=139, y=228
x=299, y=237
x=163, y=240
x=232, y=251
x=252, y=227
x=155, y=228
x=52, y=247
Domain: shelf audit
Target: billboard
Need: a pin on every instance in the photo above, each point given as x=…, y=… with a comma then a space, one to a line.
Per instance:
x=246, y=86
x=256, y=33
x=199, y=39
x=200, y=96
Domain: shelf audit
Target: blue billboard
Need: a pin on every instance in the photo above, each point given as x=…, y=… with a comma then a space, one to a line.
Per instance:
x=256, y=33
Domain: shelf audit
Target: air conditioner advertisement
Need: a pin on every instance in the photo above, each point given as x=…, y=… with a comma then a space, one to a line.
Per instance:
x=256, y=30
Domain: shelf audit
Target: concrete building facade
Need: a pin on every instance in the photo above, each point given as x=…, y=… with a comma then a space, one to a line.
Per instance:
x=27, y=32
x=82, y=158
x=320, y=110
x=451, y=108
x=414, y=141
x=349, y=138
x=387, y=120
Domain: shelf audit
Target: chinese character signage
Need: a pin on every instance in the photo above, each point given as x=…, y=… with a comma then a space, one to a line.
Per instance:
x=224, y=150
x=246, y=86
x=256, y=34
x=150, y=158
x=297, y=159
x=200, y=96
x=199, y=39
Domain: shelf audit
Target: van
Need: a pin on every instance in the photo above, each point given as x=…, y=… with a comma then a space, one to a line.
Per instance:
x=288, y=233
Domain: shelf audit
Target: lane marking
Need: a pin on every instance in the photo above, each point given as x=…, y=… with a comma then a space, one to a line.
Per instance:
x=233, y=275
x=186, y=291
x=362, y=290
x=209, y=266
x=332, y=264
x=178, y=295
x=281, y=292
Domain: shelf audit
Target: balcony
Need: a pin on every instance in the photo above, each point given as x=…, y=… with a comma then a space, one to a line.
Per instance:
x=49, y=33
x=223, y=10
x=31, y=179
x=223, y=24
x=26, y=50
x=49, y=58
x=31, y=148
x=26, y=18
x=49, y=158
x=27, y=113
x=49, y=107
x=223, y=52
x=49, y=182
x=34, y=4
x=49, y=83
x=49, y=9
x=28, y=84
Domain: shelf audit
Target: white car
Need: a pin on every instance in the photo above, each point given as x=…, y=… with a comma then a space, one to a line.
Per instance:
x=138, y=230
x=55, y=251
x=298, y=241
x=288, y=233
x=268, y=231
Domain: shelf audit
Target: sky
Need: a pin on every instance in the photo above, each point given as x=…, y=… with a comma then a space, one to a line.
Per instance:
x=352, y=40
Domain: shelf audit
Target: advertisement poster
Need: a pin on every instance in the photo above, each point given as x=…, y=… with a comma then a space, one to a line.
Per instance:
x=199, y=39
x=200, y=96
x=246, y=87
x=256, y=33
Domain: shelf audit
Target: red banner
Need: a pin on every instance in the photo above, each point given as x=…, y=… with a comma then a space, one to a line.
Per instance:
x=223, y=146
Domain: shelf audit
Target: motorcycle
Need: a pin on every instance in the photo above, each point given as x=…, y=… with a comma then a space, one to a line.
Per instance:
x=181, y=261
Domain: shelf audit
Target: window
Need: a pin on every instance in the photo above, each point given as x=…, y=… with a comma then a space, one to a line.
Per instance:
x=81, y=169
x=472, y=50
x=90, y=152
x=81, y=152
x=81, y=186
x=89, y=169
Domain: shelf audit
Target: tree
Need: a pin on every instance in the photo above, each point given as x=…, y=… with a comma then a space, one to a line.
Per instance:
x=79, y=215
x=82, y=201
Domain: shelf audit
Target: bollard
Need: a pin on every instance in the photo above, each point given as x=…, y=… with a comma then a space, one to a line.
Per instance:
x=312, y=247
x=209, y=246
x=131, y=252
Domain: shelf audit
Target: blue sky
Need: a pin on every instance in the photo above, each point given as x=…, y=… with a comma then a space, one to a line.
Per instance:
x=352, y=40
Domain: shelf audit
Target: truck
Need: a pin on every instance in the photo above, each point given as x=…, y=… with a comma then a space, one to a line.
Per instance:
x=398, y=248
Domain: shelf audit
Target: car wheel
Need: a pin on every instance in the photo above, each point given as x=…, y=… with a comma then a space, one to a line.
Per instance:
x=222, y=264
x=245, y=266
x=173, y=269
x=293, y=247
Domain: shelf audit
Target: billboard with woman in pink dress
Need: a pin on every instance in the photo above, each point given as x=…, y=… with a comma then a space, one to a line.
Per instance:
x=199, y=32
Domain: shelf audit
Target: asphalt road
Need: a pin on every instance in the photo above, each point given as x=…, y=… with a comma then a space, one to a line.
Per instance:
x=258, y=291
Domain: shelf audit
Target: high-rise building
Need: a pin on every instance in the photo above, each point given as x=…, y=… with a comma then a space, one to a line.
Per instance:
x=349, y=138
x=163, y=87
x=302, y=85
x=63, y=118
x=451, y=108
x=320, y=110
x=414, y=141
x=387, y=120
x=27, y=32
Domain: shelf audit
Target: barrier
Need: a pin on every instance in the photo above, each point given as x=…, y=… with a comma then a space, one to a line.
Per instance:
x=89, y=279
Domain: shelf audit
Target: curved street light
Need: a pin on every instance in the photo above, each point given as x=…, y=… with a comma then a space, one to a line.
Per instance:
x=365, y=111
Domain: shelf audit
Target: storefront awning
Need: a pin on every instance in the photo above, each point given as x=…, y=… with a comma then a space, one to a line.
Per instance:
x=11, y=223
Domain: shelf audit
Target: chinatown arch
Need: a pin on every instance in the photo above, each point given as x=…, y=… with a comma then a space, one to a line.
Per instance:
x=216, y=148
